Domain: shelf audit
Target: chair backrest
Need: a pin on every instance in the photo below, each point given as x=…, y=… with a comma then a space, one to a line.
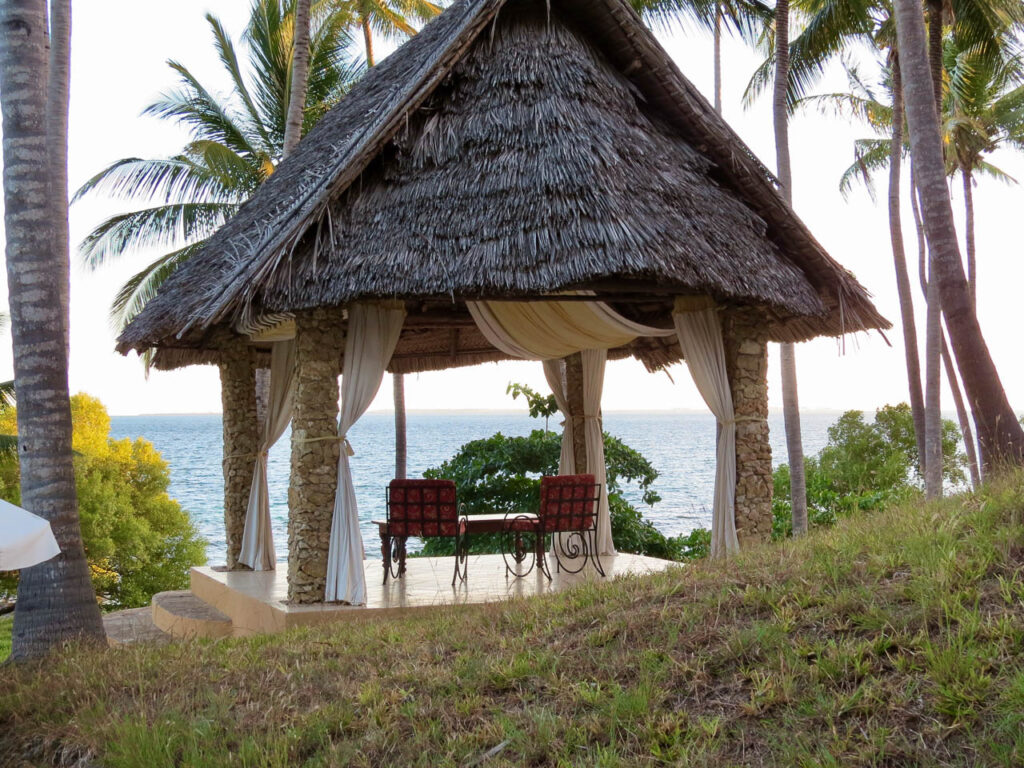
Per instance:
x=422, y=508
x=568, y=502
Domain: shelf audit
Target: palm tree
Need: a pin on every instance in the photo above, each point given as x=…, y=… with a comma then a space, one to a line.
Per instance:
x=999, y=433
x=790, y=398
x=56, y=601
x=872, y=155
x=747, y=18
x=391, y=18
x=300, y=78
x=388, y=18
x=832, y=26
x=983, y=110
x=57, y=100
x=235, y=145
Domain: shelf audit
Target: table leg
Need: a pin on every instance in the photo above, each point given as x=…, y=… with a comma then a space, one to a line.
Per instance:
x=385, y=551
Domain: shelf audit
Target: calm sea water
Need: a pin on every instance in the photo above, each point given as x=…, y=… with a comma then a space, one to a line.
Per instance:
x=681, y=446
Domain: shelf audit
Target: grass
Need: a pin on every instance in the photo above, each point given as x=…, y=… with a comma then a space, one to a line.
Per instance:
x=6, y=624
x=892, y=639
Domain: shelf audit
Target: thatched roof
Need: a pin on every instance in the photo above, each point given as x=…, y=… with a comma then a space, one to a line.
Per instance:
x=511, y=155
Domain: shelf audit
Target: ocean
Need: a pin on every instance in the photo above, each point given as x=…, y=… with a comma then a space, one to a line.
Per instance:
x=681, y=446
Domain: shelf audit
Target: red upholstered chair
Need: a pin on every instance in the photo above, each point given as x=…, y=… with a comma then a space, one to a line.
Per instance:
x=568, y=507
x=422, y=508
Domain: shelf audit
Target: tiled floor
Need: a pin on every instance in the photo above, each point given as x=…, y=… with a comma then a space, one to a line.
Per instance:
x=257, y=601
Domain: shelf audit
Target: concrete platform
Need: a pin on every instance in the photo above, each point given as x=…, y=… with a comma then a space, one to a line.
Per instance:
x=256, y=601
x=132, y=626
x=182, y=615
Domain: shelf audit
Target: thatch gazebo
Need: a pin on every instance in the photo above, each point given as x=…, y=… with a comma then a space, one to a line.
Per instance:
x=520, y=180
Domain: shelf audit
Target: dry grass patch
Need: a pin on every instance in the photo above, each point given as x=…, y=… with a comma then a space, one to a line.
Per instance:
x=893, y=639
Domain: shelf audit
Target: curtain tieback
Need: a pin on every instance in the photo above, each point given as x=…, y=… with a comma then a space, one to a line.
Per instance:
x=331, y=439
x=737, y=419
x=241, y=456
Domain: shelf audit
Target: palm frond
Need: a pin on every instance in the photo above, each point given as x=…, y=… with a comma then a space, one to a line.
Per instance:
x=206, y=118
x=870, y=156
x=175, y=179
x=163, y=226
x=143, y=285
x=226, y=52
x=7, y=394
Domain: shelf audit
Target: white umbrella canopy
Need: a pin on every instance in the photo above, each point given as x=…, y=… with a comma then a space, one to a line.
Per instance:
x=25, y=539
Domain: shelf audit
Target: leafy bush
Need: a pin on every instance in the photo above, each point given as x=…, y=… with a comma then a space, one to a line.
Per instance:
x=502, y=474
x=137, y=539
x=864, y=466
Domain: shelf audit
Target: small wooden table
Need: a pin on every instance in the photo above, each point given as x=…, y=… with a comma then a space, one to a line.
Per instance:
x=525, y=522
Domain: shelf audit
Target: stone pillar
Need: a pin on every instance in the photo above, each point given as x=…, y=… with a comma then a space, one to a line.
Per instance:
x=574, y=395
x=241, y=438
x=319, y=339
x=746, y=360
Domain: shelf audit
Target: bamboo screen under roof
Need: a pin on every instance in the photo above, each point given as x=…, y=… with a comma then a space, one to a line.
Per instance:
x=511, y=155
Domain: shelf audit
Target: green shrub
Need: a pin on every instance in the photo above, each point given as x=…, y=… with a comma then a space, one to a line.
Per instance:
x=502, y=474
x=138, y=540
x=863, y=466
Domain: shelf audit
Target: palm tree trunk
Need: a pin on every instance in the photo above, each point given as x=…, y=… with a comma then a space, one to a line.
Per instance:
x=903, y=287
x=790, y=398
x=56, y=601
x=718, y=57
x=300, y=76
x=947, y=360
x=935, y=49
x=933, y=390
x=972, y=268
x=58, y=88
x=961, y=415
x=999, y=433
x=401, y=451
x=368, y=40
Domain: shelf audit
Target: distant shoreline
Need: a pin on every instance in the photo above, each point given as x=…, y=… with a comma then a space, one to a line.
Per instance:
x=511, y=412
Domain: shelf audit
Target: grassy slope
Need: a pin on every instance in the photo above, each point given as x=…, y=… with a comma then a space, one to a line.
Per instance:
x=894, y=639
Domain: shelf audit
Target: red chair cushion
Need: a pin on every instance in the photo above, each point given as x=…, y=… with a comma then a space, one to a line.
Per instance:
x=422, y=508
x=567, y=502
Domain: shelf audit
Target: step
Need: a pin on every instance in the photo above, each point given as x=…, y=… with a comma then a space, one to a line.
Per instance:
x=183, y=615
x=132, y=626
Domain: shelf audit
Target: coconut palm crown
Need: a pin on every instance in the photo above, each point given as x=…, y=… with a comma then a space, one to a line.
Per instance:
x=235, y=143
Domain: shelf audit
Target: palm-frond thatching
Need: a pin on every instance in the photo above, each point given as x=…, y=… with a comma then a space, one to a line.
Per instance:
x=512, y=155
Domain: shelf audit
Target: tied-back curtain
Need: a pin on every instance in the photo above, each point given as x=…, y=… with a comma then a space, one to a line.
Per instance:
x=373, y=331
x=700, y=337
x=593, y=384
x=593, y=432
x=545, y=330
x=258, y=537
x=554, y=372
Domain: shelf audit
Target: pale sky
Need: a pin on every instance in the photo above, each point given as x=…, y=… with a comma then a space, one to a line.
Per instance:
x=119, y=52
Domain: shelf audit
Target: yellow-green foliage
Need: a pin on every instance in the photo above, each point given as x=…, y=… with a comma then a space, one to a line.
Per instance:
x=138, y=540
x=895, y=638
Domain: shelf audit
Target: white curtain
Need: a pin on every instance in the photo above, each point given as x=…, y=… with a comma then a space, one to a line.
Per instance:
x=700, y=337
x=373, y=331
x=544, y=330
x=593, y=385
x=554, y=372
x=258, y=536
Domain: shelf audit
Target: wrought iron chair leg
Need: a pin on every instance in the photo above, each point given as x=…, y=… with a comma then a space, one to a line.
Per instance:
x=595, y=558
x=385, y=549
x=461, y=557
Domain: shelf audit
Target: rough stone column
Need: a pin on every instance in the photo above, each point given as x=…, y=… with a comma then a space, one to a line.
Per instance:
x=574, y=395
x=314, y=471
x=241, y=438
x=746, y=360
